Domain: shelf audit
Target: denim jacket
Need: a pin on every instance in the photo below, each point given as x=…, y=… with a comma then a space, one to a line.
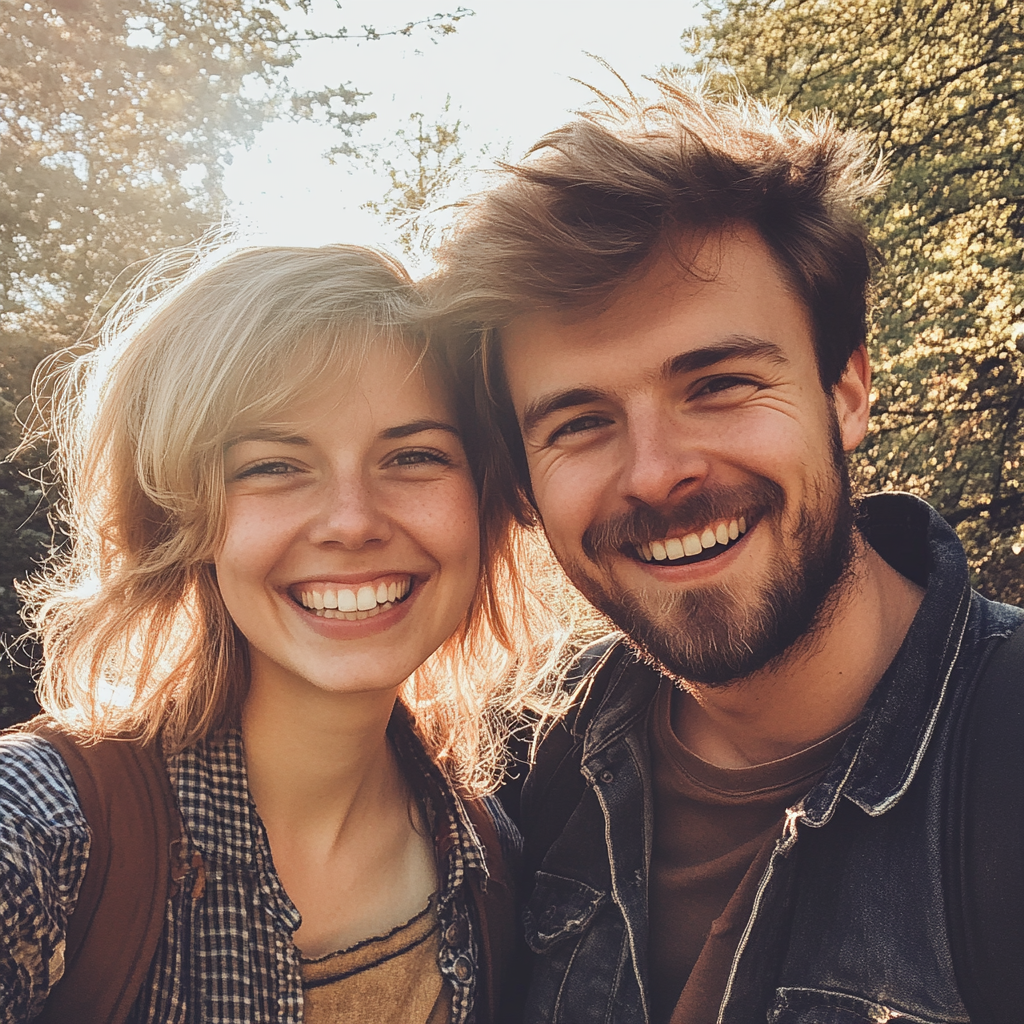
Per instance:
x=849, y=923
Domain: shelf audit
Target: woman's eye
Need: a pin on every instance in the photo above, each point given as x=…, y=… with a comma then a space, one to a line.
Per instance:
x=579, y=426
x=421, y=457
x=272, y=468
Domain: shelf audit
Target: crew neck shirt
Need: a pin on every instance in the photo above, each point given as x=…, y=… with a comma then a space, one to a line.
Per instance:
x=714, y=831
x=391, y=979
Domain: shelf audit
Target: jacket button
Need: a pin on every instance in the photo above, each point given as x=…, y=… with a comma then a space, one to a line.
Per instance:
x=453, y=933
x=462, y=968
x=607, y=776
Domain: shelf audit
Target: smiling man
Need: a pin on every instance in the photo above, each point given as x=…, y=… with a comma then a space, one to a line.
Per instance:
x=752, y=812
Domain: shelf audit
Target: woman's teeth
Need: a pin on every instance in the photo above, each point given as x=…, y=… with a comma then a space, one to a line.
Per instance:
x=673, y=548
x=355, y=602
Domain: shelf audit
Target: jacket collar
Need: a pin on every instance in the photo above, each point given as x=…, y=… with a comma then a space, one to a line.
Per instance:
x=887, y=743
x=884, y=749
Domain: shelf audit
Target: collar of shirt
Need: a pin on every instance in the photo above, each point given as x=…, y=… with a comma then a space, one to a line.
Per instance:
x=224, y=828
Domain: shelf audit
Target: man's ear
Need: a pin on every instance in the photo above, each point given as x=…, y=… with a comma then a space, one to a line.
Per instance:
x=851, y=398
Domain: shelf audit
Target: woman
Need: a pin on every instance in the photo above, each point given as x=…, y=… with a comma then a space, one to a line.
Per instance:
x=276, y=570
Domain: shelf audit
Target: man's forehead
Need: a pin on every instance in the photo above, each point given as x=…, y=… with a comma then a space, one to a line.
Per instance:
x=681, y=271
x=736, y=288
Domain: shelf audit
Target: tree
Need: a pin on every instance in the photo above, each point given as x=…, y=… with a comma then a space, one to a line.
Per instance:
x=116, y=120
x=422, y=167
x=940, y=88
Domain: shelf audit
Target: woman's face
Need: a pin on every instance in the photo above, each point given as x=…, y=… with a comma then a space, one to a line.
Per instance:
x=352, y=543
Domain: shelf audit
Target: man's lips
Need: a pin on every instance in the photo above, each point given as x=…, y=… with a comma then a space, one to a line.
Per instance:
x=688, y=548
x=356, y=601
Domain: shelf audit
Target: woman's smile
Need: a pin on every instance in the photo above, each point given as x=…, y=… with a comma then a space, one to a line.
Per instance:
x=359, y=600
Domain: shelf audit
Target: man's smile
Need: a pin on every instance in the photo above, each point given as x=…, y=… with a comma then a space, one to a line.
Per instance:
x=698, y=546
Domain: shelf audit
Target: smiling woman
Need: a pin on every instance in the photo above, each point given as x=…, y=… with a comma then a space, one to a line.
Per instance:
x=283, y=590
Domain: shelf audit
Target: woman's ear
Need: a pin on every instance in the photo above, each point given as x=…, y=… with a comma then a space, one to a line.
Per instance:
x=851, y=399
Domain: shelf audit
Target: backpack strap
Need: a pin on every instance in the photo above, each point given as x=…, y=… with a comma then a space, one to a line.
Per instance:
x=988, y=888
x=495, y=906
x=113, y=933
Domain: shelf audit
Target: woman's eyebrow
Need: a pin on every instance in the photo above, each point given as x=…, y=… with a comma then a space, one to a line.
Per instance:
x=268, y=435
x=417, y=427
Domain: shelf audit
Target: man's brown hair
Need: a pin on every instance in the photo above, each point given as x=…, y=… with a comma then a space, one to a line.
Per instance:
x=594, y=201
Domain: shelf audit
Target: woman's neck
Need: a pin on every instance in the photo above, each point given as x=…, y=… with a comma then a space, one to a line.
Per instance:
x=315, y=759
x=349, y=844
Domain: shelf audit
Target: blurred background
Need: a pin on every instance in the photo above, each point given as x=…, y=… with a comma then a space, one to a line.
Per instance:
x=129, y=126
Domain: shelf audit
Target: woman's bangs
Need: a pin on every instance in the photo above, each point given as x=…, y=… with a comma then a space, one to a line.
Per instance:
x=287, y=375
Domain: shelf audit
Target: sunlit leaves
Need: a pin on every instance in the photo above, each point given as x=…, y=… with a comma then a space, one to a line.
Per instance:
x=940, y=87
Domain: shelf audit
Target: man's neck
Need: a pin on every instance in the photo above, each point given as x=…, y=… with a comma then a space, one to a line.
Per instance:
x=822, y=687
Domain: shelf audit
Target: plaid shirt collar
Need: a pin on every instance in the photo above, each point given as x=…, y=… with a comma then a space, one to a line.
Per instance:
x=225, y=829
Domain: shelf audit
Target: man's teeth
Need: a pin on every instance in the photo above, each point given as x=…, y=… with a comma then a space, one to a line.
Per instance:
x=355, y=602
x=673, y=548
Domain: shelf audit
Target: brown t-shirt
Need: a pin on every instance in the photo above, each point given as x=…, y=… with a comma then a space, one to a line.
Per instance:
x=714, y=830
x=393, y=979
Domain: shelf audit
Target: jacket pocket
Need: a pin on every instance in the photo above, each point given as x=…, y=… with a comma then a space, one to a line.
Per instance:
x=816, y=1006
x=558, y=909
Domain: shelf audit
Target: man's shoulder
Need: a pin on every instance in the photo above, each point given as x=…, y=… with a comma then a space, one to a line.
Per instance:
x=992, y=620
x=587, y=683
x=604, y=692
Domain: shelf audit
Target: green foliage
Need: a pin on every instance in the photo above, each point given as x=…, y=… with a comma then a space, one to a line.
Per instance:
x=115, y=123
x=940, y=87
x=25, y=536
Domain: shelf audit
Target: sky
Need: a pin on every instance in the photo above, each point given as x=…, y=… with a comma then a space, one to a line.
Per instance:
x=508, y=69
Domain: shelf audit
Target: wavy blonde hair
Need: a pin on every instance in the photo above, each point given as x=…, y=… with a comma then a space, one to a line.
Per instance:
x=136, y=638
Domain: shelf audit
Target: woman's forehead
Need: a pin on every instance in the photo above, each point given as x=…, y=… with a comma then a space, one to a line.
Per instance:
x=386, y=377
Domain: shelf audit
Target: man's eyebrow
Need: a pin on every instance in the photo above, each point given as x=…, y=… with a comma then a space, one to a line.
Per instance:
x=544, y=406
x=687, y=362
x=417, y=427
x=729, y=348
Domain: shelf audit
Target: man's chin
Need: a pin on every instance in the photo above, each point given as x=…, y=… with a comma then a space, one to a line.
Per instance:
x=694, y=650
x=714, y=636
x=689, y=636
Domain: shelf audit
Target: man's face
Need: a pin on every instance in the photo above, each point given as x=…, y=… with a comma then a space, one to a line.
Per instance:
x=686, y=462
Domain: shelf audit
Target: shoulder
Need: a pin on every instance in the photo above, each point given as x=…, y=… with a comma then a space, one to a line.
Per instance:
x=588, y=678
x=37, y=794
x=44, y=850
x=555, y=785
x=992, y=620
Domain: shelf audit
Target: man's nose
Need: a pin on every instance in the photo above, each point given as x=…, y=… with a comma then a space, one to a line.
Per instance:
x=348, y=512
x=661, y=460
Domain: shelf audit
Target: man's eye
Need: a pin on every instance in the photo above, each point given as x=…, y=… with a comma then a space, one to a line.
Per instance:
x=718, y=385
x=579, y=426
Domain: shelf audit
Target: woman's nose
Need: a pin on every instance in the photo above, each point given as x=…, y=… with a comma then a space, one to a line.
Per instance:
x=348, y=513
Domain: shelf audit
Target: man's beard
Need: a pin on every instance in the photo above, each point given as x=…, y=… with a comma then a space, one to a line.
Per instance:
x=720, y=633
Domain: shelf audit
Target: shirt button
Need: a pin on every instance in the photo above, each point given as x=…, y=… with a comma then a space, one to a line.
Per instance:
x=607, y=776
x=462, y=968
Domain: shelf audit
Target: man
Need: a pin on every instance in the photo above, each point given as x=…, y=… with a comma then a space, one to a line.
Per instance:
x=747, y=815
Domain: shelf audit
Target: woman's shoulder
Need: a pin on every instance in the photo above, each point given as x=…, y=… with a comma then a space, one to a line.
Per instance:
x=36, y=787
x=44, y=850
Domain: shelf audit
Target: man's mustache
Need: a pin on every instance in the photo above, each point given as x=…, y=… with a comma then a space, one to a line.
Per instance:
x=692, y=514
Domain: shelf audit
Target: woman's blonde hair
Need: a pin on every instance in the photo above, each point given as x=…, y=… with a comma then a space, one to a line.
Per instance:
x=136, y=638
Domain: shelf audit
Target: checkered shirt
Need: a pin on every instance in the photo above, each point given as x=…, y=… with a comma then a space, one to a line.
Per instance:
x=226, y=955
